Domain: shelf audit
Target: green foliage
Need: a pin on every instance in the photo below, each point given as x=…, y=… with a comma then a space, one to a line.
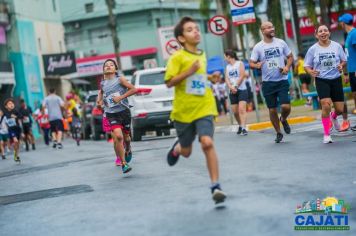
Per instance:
x=311, y=11
x=275, y=16
x=205, y=8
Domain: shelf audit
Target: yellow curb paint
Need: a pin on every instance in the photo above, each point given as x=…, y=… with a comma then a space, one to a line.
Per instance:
x=291, y=121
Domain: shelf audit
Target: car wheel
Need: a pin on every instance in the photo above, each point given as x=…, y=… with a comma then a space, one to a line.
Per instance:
x=136, y=134
x=167, y=132
x=159, y=132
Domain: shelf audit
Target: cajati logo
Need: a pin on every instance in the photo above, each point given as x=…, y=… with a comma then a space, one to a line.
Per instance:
x=329, y=213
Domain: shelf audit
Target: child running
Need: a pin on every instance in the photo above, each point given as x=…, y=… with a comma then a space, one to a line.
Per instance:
x=113, y=94
x=194, y=105
x=13, y=122
x=43, y=121
x=4, y=134
x=325, y=61
x=235, y=80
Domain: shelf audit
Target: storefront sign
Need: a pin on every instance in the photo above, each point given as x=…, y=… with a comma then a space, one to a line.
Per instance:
x=59, y=64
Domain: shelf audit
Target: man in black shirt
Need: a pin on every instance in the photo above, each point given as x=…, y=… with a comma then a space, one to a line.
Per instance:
x=26, y=113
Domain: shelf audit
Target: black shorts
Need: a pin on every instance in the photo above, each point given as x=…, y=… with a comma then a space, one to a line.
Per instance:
x=120, y=120
x=275, y=92
x=15, y=132
x=330, y=88
x=352, y=77
x=186, y=132
x=56, y=125
x=241, y=95
x=27, y=128
x=305, y=78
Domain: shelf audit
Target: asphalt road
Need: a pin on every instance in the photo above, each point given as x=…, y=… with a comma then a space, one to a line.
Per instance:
x=79, y=191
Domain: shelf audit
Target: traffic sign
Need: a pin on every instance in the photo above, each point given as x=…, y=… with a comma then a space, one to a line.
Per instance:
x=169, y=44
x=172, y=46
x=242, y=12
x=218, y=25
x=150, y=63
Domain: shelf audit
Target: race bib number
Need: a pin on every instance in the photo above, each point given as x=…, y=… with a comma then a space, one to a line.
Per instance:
x=26, y=120
x=196, y=84
x=44, y=120
x=328, y=64
x=11, y=122
x=273, y=64
x=110, y=100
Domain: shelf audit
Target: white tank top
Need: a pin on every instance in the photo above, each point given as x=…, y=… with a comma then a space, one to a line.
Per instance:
x=233, y=72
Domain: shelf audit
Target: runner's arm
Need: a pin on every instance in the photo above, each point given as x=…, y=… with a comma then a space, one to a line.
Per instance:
x=131, y=90
x=228, y=82
x=99, y=99
x=182, y=76
x=289, y=64
x=255, y=64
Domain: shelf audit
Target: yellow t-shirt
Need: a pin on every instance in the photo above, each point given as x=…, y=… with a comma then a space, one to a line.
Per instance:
x=300, y=68
x=193, y=97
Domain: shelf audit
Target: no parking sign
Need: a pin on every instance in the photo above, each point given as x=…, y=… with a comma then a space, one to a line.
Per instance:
x=169, y=43
x=218, y=25
x=242, y=12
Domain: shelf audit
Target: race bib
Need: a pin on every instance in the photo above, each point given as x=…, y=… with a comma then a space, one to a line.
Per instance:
x=196, y=84
x=44, y=120
x=273, y=63
x=11, y=122
x=328, y=64
x=26, y=120
x=110, y=99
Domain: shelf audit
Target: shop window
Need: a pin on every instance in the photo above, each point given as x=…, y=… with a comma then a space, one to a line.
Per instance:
x=89, y=7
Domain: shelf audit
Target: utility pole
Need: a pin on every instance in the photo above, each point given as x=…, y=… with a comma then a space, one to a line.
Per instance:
x=295, y=21
x=112, y=25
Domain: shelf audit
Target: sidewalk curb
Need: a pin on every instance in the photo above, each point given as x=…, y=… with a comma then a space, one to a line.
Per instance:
x=291, y=121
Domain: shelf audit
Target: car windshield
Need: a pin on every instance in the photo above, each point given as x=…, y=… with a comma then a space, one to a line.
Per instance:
x=92, y=98
x=152, y=79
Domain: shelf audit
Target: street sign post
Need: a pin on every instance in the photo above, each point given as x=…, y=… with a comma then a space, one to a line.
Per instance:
x=242, y=12
x=169, y=43
x=218, y=25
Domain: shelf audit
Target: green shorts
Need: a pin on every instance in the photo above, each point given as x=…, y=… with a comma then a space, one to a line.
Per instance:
x=4, y=137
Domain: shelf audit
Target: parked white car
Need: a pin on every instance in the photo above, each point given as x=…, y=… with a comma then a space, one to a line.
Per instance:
x=152, y=104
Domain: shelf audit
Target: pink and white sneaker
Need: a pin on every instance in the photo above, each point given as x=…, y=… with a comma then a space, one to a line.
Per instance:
x=118, y=161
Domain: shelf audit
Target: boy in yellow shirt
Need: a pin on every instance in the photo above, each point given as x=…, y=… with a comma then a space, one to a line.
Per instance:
x=194, y=105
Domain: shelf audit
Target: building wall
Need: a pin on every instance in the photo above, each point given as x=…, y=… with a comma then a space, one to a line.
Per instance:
x=138, y=29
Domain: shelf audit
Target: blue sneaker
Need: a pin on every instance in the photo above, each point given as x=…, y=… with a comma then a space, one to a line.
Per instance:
x=128, y=156
x=217, y=194
x=126, y=168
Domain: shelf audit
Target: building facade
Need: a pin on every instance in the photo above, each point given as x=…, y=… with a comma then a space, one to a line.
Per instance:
x=138, y=23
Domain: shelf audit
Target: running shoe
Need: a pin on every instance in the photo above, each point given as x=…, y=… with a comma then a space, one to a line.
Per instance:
x=54, y=145
x=335, y=122
x=60, y=146
x=345, y=125
x=327, y=139
x=3, y=157
x=128, y=156
x=239, y=131
x=279, y=137
x=16, y=157
x=118, y=161
x=217, y=194
x=126, y=168
x=27, y=146
x=171, y=158
x=244, y=132
x=33, y=147
x=286, y=126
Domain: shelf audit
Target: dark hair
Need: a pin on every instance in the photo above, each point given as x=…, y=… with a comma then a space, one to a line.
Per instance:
x=22, y=101
x=318, y=26
x=179, y=28
x=9, y=100
x=75, y=112
x=231, y=53
x=52, y=90
x=113, y=61
x=301, y=55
